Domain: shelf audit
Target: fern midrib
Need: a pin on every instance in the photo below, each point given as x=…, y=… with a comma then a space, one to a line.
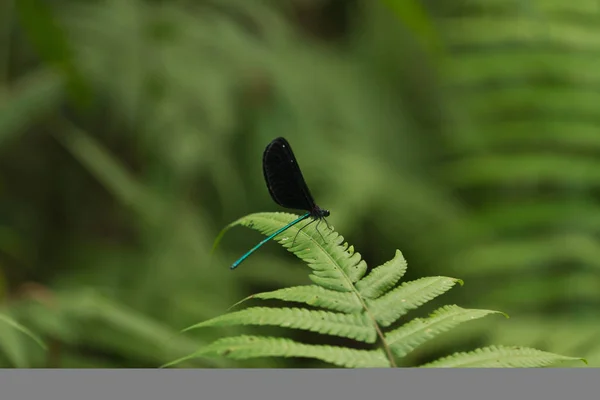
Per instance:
x=380, y=334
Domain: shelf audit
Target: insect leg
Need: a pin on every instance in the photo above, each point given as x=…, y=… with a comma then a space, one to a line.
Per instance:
x=317, y=228
x=294, y=241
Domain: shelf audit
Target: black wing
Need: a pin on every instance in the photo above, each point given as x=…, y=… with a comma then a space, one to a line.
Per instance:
x=284, y=178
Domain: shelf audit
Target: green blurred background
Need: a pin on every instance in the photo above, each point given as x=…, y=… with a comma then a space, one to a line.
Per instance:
x=464, y=133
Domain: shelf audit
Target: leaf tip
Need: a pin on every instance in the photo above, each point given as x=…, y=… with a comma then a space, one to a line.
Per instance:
x=189, y=328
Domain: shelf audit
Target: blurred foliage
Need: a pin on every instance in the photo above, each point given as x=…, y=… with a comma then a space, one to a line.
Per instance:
x=463, y=133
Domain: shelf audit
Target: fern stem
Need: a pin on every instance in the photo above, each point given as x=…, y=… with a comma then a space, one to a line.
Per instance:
x=380, y=334
x=386, y=347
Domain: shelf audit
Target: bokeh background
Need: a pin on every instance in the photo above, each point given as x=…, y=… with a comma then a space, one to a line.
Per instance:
x=464, y=133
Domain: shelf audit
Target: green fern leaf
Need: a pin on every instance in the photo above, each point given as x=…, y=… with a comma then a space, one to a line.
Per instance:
x=500, y=357
x=382, y=278
x=414, y=333
x=363, y=305
x=244, y=347
x=410, y=295
x=353, y=326
x=335, y=266
x=538, y=113
x=316, y=296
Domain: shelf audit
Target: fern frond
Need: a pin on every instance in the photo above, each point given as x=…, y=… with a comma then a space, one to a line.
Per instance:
x=363, y=305
x=500, y=357
x=353, y=326
x=244, y=347
x=414, y=333
x=410, y=295
x=536, y=117
x=335, y=266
